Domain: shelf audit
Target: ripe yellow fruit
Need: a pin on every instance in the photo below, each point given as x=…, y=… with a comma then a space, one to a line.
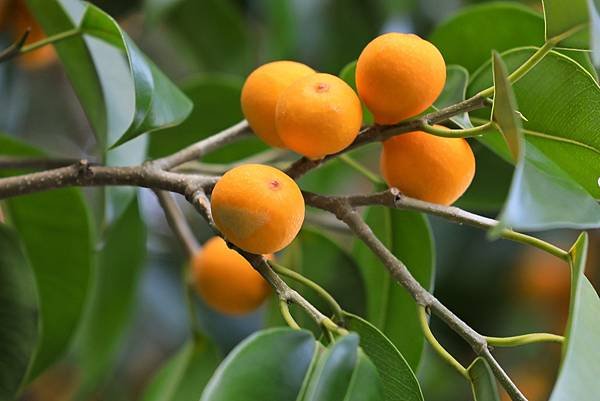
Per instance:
x=261, y=92
x=428, y=167
x=258, y=208
x=226, y=281
x=399, y=76
x=318, y=115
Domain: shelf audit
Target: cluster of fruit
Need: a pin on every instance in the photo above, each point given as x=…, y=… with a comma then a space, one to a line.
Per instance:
x=289, y=105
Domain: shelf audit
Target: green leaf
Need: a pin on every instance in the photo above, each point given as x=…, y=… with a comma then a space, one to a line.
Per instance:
x=483, y=382
x=559, y=166
x=113, y=295
x=58, y=16
x=323, y=261
x=185, y=375
x=397, y=378
x=594, y=30
x=213, y=34
x=348, y=74
x=491, y=183
x=216, y=100
x=19, y=325
x=455, y=88
x=408, y=236
x=505, y=107
x=466, y=38
x=158, y=102
x=334, y=371
x=269, y=365
x=580, y=366
x=57, y=233
x=366, y=382
x=561, y=17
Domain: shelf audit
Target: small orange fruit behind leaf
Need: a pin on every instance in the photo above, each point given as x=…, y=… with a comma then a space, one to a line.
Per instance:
x=318, y=115
x=258, y=208
x=399, y=76
x=226, y=281
x=261, y=92
x=428, y=167
x=20, y=19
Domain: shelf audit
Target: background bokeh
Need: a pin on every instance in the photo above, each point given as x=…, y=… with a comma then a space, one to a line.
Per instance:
x=499, y=288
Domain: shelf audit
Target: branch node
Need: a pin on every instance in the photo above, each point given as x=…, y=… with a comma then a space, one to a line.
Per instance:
x=83, y=169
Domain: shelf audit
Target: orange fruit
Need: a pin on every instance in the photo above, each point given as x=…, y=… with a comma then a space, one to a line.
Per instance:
x=258, y=208
x=226, y=281
x=428, y=167
x=543, y=278
x=318, y=115
x=261, y=92
x=399, y=76
x=21, y=19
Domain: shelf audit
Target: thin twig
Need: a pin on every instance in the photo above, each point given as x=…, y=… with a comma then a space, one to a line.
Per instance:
x=13, y=50
x=177, y=222
x=204, y=146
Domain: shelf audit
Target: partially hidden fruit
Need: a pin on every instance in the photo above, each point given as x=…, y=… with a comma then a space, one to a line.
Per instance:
x=399, y=76
x=428, y=167
x=21, y=19
x=261, y=92
x=226, y=281
x=318, y=115
x=258, y=208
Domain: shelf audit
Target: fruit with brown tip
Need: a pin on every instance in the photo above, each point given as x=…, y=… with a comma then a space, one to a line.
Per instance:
x=261, y=92
x=318, y=115
x=258, y=208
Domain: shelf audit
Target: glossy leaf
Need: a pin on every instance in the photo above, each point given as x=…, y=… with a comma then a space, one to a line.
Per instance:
x=466, y=39
x=559, y=117
x=19, y=323
x=408, y=236
x=580, y=366
x=366, y=382
x=158, y=102
x=316, y=250
x=57, y=16
x=561, y=17
x=455, y=88
x=348, y=74
x=504, y=109
x=397, y=378
x=184, y=376
x=560, y=163
x=216, y=99
x=483, y=382
x=269, y=365
x=113, y=294
x=57, y=233
x=334, y=372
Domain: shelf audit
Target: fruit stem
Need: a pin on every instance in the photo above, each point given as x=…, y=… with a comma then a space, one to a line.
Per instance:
x=284, y=271
x=524, y=339
x=350, y=161
x=437, y=346
x=287, y=316
x=457, y=133
x=535, y=58
x=535, y=242
x=49, y=40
